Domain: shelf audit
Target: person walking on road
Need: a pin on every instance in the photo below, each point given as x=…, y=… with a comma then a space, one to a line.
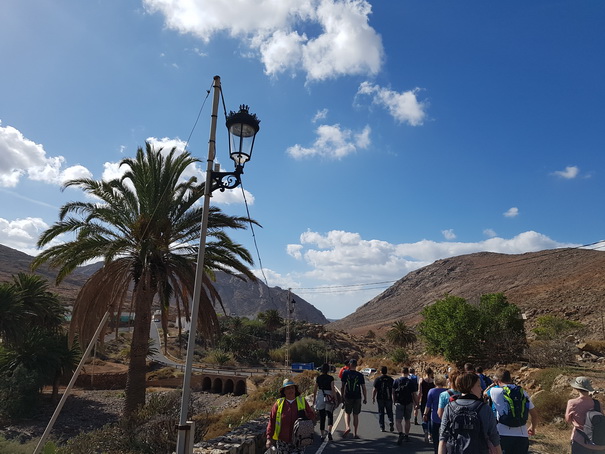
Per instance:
x=468, y=425
x=513, y=406
x=325, y=401
x=427, y=382
x=353, y=386
x=283, y=415
x=383, y=393
x=430, y=414
x=405, y=396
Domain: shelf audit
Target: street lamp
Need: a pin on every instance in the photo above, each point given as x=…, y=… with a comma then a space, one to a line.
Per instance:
x=242, y=127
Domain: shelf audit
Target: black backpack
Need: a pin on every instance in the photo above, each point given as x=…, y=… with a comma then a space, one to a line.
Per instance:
x=384, y=386
x=403, y=388
x=464, y=431
x=352, y=386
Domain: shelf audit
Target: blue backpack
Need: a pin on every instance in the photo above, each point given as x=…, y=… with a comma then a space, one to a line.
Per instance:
x=518, y=407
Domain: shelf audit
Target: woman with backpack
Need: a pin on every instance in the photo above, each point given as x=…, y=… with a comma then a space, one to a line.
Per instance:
x=578, y=412
x=325, y=401
x=282, y=420
x=468, y=425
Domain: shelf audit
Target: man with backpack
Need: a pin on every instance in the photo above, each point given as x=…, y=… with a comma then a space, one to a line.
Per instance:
x=383, y=390
x=586, y=416
x=405, y=397
x=468, y=425
x=353, y=386
x=513, y=406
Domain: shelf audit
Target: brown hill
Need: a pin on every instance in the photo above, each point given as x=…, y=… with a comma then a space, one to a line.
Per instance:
x=240, y=297
x=565, y=282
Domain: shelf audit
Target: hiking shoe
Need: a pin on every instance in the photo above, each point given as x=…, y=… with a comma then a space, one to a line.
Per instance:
x=406, y=438
x=330, y=436
x=391, y=427
x=382, y=429
x=400, y=439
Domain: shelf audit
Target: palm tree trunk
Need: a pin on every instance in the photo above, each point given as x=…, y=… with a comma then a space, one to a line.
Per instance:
x=139, y=346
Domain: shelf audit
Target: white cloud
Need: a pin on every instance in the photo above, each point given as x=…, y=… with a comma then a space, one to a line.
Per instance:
x=333, y=142
x=403, y=106
x=449, y=234
x=490, y=233
x=275, y=279
x=22, y=234
x=20, y=157
x=320, y=115
x=340, y=257
x=569, y=173
x=512, y=212
x=294, y=250
x=280, y=32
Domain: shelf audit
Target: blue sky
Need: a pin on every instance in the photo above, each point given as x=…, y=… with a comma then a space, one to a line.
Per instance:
x=393, y=133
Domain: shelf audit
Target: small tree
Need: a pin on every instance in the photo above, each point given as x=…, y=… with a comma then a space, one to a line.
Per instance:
x=450, y=328
x=460, y=331
x=500, y=320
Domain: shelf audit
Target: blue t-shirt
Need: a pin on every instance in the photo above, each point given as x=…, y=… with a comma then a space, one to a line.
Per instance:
x=444, y=398
x=432, y=402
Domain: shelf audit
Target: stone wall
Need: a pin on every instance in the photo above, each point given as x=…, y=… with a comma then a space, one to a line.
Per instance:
x=248, y=438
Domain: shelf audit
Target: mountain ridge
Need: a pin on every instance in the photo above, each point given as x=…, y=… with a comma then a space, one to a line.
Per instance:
x=240, y=296
x=569, y=282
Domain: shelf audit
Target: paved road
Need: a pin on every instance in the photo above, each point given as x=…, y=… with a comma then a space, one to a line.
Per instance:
x=371, y=440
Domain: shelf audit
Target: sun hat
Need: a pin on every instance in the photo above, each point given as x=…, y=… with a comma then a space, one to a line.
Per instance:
x=288, y=382
x=582, y=383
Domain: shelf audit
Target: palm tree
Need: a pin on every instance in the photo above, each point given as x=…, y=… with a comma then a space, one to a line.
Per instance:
x=271, y=319
x=37, y=342
x=144, y=226
x=400, y=334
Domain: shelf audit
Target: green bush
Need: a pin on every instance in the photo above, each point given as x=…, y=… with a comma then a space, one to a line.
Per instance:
x=19, y=393
x=309, y=350
x=549, y=327
x=399, y=356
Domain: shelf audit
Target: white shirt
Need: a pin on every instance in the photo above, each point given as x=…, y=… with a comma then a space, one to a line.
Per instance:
x=502, y=407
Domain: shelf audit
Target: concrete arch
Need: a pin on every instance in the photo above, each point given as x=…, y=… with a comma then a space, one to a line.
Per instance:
x=240, y=388
x=206, y=384
x=228, y=386
x=217, y=386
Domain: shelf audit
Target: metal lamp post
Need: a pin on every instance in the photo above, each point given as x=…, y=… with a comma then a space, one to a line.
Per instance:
x=242, y=127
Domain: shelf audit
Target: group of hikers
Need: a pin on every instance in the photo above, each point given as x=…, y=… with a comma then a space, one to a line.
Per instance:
x=463, y=411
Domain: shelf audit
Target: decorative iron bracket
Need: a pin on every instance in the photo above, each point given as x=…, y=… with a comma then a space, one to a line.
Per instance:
x=226, y=180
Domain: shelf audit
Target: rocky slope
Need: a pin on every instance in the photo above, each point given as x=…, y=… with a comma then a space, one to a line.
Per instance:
x=566, y=282
x=240, y=297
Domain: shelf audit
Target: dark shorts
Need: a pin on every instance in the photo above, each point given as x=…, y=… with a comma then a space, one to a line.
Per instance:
x=353, y=406
x=404, y=411
x=514, y=445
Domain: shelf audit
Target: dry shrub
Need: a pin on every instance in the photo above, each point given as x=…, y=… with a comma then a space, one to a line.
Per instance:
x=164, y=373
x=551, y=406
x=547, y=377
x=547, y=353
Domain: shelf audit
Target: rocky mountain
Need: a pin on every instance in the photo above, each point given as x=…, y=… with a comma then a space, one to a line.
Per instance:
x=566, y=282
x=241, y=297
x=246, y=299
